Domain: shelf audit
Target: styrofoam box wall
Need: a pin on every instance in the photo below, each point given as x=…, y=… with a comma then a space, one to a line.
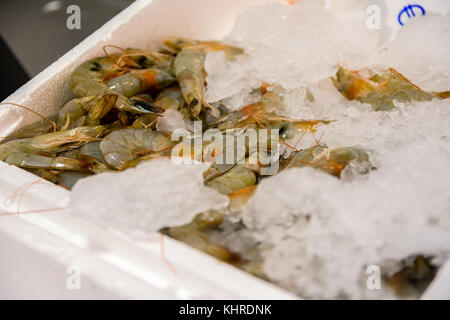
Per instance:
x=43, y=248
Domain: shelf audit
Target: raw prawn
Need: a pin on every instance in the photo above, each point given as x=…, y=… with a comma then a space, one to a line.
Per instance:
x=178, y=44
x=190, y=75
x=263, y=114
x=102, y=76
x=381, y=90
x=189, y=68
x=330, y=160
x=195, y=234
x=39, y=152
x=124, y=145
x=416, y=274
x=142, y=59
x=238, y=177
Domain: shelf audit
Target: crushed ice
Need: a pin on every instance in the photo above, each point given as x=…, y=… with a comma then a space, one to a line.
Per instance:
x=147, y=198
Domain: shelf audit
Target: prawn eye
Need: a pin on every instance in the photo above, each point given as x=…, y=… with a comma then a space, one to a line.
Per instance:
x=284, y=131
x=145, y=106
x=97, y=67
x=143, y=61
x=193, y=103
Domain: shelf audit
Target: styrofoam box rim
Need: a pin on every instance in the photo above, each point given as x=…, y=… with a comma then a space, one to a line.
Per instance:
x=113, y=265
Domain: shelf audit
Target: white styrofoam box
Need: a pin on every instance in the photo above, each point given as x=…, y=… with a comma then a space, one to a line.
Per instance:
x=43, y=248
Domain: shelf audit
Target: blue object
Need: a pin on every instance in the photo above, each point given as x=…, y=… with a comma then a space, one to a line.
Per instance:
x=409, y=11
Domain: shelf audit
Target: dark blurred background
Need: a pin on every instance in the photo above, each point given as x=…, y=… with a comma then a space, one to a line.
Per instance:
x=34, y=34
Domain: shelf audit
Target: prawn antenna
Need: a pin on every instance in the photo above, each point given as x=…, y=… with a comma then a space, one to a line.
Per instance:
x=111, y=46
x=287, y=145
x=109, y=55
x=33, y=211
x=398, y=74
x=320, y=138
x=56, y=127
x=152, y=36
x=212, y=111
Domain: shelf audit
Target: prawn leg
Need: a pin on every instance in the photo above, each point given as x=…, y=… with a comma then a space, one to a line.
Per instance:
x=89, y=110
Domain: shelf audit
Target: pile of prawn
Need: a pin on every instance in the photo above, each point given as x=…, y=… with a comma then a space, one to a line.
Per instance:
x=122, y=103
x=123, y=99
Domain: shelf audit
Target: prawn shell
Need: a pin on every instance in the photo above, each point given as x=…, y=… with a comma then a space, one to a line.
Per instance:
x=189, y=72
x=123, y=145
x=332, y=161
x=239, y=177
x=380, y=91
x=73, y=110
x=32, y=160
x=170, y=98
